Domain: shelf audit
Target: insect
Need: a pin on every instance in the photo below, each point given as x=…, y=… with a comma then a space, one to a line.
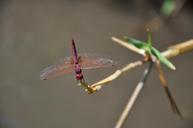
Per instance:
x=155, y=56
x=77, y=63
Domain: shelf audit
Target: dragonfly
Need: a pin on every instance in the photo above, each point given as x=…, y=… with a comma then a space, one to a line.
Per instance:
x=155, y=56
x=76, y=63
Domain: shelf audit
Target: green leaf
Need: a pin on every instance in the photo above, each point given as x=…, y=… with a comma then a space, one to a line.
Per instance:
x=162, y=59
x=137, y=43
x=150, y=50
x=168, y=7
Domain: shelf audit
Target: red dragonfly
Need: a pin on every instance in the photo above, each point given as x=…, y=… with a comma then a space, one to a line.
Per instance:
x=76, y=63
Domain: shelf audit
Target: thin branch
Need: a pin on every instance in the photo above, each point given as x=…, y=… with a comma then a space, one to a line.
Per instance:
x=173, y=104
x=138, y=89
x=129, y=46
x=116, y=74
x=172, y=51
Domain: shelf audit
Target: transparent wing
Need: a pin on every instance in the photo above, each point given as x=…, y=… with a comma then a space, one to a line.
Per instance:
x=63, y=66
x=92, y=61
x=66, y=65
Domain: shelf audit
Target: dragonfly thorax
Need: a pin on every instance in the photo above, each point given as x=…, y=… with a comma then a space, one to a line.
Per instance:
x=78, y=69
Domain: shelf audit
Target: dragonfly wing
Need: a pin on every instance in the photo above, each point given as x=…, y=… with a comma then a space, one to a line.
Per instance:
x=88, y=61
x=63, y=66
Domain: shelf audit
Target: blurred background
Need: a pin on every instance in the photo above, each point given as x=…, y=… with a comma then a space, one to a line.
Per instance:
x=36, y=34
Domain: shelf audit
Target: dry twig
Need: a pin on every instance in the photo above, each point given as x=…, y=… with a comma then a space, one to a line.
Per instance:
x=172, y=51
x=133, y=97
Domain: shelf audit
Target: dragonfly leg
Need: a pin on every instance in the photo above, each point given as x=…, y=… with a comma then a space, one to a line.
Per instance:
x=168, y=93
x=88, y=89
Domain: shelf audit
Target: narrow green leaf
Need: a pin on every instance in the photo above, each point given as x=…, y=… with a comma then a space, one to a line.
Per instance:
x=162, y=59
x=135, y=42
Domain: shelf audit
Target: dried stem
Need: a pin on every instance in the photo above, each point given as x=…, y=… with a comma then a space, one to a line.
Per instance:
x=170, y=52
x=129, y=46
x=116, y=74
x=133, y=97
